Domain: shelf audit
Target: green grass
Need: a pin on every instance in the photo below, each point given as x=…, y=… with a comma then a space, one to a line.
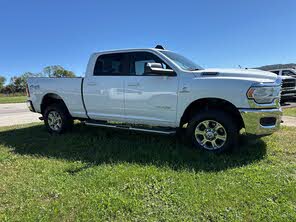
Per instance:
x=95, y=174
x=289, y=112
x=12, y=99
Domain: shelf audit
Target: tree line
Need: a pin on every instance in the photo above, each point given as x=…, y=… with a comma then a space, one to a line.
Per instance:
x=17, y=84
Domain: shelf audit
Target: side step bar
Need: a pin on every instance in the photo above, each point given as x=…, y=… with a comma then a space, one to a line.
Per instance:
x=159, y=131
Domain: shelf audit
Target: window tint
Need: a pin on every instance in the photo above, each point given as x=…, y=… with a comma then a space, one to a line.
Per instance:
x=109, y=64
x=287, y=73
x=138, y=61
x=276, y=72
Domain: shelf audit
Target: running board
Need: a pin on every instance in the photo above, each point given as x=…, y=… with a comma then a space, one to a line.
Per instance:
x=158, y=130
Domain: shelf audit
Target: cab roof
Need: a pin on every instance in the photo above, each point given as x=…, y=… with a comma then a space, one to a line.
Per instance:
x=157, y=48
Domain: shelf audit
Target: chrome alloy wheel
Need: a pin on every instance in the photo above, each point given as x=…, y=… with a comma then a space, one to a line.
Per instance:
x=210, y=134
x=54, y=120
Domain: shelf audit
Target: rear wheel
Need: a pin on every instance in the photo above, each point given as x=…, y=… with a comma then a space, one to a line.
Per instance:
x=57, y=119
x=213, y=131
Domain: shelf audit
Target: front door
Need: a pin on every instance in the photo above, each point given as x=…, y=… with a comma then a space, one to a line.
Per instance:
x=149, y=99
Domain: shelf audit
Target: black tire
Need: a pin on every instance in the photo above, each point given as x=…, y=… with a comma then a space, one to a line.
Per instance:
x=66, y=121
x=229, y=130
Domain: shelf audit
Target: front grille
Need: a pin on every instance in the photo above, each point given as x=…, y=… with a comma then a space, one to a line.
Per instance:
x=289, y=92
x=289, y=83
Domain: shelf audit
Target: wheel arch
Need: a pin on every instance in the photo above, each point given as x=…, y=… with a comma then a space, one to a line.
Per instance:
x=205, y=104
x=51, y=98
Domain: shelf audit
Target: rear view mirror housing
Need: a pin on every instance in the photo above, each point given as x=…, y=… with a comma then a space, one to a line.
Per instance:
x=156, y=68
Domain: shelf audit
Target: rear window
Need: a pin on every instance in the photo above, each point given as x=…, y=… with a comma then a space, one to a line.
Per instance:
x=109, y=64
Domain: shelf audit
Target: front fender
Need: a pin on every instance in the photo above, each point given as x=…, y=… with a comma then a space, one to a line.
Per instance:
x=231, y=90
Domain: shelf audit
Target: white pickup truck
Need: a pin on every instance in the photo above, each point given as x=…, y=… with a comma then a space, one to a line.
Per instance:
x=156, y=90
x=288, y=83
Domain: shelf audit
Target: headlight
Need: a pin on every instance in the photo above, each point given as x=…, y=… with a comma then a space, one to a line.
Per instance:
x=264, y=94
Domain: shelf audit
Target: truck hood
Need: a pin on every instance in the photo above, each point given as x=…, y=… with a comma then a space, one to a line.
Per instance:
x=254, y=74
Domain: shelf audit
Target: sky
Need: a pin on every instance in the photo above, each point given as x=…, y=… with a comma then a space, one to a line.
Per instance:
x=213, y=33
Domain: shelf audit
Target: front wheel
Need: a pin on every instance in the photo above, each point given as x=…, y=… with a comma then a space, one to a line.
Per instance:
x=213, y=131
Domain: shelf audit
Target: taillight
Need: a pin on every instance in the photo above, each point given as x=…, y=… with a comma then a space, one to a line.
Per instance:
x=27, y=90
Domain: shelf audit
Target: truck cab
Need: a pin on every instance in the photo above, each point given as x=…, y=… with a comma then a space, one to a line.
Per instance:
x=119, y=86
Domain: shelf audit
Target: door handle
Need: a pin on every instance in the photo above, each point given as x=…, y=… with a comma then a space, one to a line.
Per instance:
x=91, y=84
x=133, y=84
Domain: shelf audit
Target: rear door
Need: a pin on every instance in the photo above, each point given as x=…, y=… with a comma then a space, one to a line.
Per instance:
x=104, y=88
x=149, y=98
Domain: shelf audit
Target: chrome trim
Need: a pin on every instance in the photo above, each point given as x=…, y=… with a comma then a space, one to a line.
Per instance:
x=169, y=132
x=251, y=118
x=274, y=104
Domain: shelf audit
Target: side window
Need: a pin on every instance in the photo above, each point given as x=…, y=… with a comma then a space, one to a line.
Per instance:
x=109, y=65
x=276, y=72
x=138, y=61
x=287, y=73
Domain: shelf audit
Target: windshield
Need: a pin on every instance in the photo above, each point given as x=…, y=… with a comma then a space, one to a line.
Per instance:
x=181, y=61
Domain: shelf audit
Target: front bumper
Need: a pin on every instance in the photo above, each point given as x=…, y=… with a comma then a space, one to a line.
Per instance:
x=261, y=121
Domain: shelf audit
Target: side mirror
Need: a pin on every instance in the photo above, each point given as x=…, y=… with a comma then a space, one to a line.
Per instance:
x=156, y=68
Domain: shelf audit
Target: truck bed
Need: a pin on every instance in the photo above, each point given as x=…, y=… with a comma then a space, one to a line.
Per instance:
x=69, y=89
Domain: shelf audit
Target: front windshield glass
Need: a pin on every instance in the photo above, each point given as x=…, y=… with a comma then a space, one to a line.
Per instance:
x=181, y=61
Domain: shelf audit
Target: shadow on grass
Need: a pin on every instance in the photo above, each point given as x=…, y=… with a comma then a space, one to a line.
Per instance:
x=96, y=146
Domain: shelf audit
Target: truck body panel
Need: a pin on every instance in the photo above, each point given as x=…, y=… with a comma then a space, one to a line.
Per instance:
x=104, y=97
x=68, y=89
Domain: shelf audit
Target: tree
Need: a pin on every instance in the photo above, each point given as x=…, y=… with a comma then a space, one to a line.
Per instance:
x=57, y=71
x=2, y=81
x=18, y=83
x=8, y=89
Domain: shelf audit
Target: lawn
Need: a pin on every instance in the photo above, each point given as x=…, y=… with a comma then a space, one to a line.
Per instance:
x=289, y=112
x=95, y=174
x=13, y=99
